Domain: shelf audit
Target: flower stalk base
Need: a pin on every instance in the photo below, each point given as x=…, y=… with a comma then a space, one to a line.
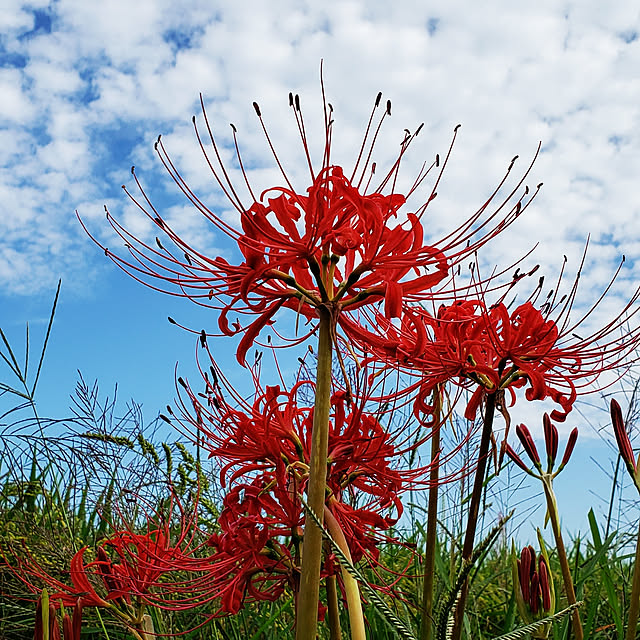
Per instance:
x=307, y=611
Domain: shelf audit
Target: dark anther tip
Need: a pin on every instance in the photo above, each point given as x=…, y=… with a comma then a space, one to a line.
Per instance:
x=171, y=320
x=419, y=129
x=193, y=119
x=233, y=126
x=163, y=417
x=257, y=108
x=437, y=159
x=455, y=129
x=539, y=185
x=378, y=98
x=290, y=99
x=133, y=169
x=297, y=101
x=203, y=338
x=388, y=107
x=330, y=107
x=160, y=138
x=182, y=383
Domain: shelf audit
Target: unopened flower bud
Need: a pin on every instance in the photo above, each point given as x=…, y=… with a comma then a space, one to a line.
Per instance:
x=533, y=586
x=550, y=439
x=622, y=438
x=527, y=442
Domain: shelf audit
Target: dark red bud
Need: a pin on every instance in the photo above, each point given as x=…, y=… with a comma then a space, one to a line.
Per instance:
x=534, y=596
x=67, y=627
x=550, y=439
x=571, y=443
x=54, y=627
x=527, y=442
x=545, y=589
x=37, y=632
x=525, y=572
x=516, y=458
x=622, y=437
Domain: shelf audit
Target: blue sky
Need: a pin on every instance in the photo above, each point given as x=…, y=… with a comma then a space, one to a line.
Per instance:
x=87, y=87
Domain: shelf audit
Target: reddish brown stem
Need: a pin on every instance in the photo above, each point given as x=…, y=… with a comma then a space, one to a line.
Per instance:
x=474, y=507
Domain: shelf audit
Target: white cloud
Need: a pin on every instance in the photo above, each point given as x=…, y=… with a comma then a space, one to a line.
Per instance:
x=85, y=98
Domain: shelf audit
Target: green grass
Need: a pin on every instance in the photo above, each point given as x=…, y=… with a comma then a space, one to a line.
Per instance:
x=63, y=481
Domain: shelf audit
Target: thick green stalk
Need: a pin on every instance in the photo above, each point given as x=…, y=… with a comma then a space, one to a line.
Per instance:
x=552, y=510
x=351, y=589
x=307, y=606
x=474, y=507
x=634, y=609
x=426, y=629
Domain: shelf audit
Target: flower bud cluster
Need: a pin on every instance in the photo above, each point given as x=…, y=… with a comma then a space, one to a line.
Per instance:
x=533, y=585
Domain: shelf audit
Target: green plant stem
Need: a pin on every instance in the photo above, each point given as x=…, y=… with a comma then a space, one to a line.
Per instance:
x=634, y=608
x=351, y=590
x=333, y=613
x=474, y=507
x=426, y=628
x=552, y=510
x=307, y=605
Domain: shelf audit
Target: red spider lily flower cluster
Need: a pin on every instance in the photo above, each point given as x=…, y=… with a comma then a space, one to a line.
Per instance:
x=341, y=244
x=130, y=570
x=263, y=450
x=489, y=349
x=551, y=445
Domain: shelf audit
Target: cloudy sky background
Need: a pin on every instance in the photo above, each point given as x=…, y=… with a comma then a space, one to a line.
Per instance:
x=85, y=88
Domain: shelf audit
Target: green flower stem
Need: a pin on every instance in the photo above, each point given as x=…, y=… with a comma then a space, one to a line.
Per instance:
x=426, y=629
x=554, y=516
x=333, y=613
x=474, y=507
x=634, y=609
x=307, y=609
x=351, y=590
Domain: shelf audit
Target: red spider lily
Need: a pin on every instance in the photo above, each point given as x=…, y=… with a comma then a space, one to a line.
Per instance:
x=251, y=560
x=551, y=442
x=148, y=565
x=270, y=439
x=338, y=245
x=489, y=350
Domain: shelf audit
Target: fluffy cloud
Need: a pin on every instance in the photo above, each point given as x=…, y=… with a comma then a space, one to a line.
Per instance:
x=87, y=87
